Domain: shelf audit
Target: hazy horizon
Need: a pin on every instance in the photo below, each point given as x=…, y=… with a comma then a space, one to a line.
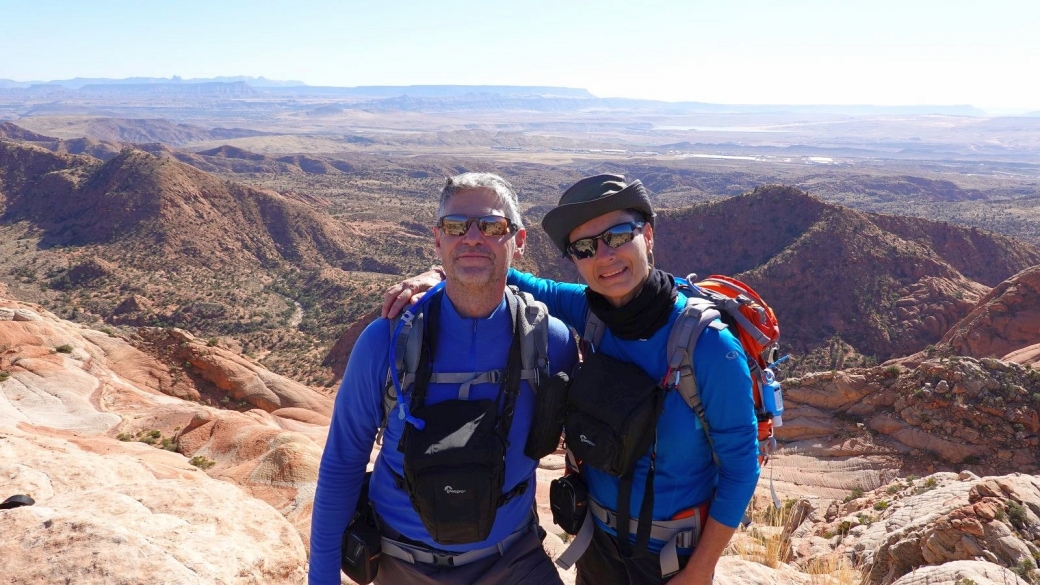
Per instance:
x=803, y=52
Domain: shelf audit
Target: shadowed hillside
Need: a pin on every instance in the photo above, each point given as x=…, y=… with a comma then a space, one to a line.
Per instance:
x=147, y=240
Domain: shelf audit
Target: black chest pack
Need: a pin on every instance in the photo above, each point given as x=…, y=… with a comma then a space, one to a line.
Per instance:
x=455, y=450
x=611, y=422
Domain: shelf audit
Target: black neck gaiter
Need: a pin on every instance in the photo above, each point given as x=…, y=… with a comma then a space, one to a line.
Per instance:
x=640, y=317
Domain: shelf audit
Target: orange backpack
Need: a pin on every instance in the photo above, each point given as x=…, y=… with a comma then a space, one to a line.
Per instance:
x=754, y=324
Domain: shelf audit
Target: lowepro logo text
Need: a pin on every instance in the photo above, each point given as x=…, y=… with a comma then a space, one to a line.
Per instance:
x=450, y=490
x=586, y=440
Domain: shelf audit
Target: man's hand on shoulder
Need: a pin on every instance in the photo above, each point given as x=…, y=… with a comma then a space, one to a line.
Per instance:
x=409, y=291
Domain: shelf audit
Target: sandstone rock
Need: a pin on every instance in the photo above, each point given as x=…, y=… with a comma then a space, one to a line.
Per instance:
x=106, y=387
x=842, y=389
x=937, y=521
x=107, y=519
x=239, y=377
x=960, y=572
x=26, y=315
x=1005, y=320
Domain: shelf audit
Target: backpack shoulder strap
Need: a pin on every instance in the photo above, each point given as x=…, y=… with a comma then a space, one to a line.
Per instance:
x=534, y=332
x=594, y=330
x=408, y=346
x=534, y=324
x=696, y=316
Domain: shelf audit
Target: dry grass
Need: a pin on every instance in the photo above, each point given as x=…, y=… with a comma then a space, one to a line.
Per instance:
x=765, y=541
x=834, y=570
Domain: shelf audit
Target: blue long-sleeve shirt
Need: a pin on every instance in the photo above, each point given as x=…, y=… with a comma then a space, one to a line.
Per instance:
x=462, y=345
x=685, y=474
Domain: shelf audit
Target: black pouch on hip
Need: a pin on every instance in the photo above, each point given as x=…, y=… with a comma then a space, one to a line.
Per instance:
x=568, y=501
x=361, y=541
x=550, y=405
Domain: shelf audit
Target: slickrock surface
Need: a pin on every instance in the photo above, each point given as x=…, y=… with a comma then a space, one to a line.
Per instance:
x=116, y=518
x=84, y=389
x=939, y=522
x=860, y=428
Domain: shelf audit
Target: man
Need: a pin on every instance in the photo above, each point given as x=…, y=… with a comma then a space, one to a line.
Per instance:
x=436, y=474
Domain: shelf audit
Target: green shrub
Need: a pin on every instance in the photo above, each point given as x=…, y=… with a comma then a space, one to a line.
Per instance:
x=124, y=437
x=880, y=505
x=4, y=376
x=1016, y=514
x=854, y=494
x=66, y=348
x=202, y=462
x=893, y=489
x=1025, y=570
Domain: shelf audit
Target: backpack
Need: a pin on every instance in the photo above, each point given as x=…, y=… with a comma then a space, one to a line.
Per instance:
x=722, y=302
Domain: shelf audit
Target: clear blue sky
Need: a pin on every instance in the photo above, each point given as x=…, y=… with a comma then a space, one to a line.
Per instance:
x=884, y=52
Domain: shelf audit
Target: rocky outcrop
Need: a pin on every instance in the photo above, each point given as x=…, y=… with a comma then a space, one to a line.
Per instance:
x=944, y=413
x=62, y=380
x=120, y=518
x=955, y=525
x=1006, y=320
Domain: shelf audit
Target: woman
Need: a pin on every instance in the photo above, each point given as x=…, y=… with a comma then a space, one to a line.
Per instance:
x=606, y=227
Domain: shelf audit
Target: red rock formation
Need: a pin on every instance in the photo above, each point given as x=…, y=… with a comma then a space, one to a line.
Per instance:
x=1006, y=320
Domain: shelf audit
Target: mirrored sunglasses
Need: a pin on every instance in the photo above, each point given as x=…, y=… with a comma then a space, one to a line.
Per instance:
x=615, y=237
x=492, y=226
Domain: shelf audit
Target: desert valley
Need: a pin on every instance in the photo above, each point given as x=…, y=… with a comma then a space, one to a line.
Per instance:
x=186, y=266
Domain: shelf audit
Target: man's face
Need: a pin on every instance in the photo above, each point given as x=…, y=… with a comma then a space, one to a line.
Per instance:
x=474, y=259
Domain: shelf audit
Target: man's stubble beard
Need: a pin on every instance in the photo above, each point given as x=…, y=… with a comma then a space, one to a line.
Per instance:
x=480, y=283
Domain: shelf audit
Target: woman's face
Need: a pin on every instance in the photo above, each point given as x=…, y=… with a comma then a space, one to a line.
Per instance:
x=615, y=273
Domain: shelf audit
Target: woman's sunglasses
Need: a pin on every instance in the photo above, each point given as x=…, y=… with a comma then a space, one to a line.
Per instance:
x=614, y=237
x=492, y=226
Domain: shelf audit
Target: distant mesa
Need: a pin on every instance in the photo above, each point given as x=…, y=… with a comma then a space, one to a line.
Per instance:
x=159, y=130
x=10, y=131
x=120, y=131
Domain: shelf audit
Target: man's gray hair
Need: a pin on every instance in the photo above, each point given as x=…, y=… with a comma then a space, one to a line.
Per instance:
x=490, y=181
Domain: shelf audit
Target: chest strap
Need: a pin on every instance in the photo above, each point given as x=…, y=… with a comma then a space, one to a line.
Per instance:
x=467, y=379
x=676, y=534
